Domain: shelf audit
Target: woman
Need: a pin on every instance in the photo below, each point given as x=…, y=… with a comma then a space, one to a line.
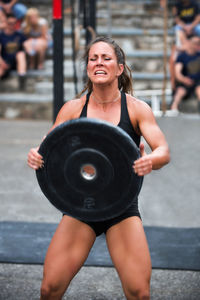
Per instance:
x=108, y=75
x=38, y=39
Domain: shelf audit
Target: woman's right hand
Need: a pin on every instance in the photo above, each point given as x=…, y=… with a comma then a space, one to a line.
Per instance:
x=35, y=160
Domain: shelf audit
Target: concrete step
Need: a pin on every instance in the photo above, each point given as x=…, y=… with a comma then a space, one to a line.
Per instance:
x=124, y=31
x=140, y=63
x=39, y=81
x=48, y=74
x=140, y=39
x=46, y=88
x=133, y=18
x=38, y=106
x=129, y=51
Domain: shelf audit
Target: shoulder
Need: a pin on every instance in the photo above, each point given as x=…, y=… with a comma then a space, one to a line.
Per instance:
x=42, y=21
x=137, y=104
x=138, y=109
x=71, y=110
x=182, y=56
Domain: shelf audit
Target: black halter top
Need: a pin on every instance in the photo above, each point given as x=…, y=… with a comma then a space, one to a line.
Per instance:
x=124, y=122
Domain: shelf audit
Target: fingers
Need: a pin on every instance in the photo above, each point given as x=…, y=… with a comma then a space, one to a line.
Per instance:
x=35, y=160
x=143, y=166
x=142, y=151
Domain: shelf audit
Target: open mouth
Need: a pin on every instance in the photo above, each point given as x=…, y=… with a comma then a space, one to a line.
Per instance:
x=100, y=73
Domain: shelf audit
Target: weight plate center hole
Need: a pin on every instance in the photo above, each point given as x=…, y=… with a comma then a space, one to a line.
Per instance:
x=88, y=172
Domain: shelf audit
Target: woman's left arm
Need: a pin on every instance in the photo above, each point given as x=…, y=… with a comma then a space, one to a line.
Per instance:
x=153, y=135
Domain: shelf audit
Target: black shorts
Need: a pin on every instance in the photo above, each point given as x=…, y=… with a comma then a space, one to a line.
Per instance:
x=189, y=89
x=103, y=226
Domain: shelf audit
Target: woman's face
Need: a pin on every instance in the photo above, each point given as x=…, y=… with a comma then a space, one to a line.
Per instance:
x=102, y=65
x=33, y=19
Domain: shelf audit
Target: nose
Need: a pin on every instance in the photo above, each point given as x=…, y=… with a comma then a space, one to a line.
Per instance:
x=99, y=61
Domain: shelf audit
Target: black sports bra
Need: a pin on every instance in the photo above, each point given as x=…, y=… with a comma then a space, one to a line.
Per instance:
x=124, y=122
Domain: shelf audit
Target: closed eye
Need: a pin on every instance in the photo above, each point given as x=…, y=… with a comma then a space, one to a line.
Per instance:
x=95, y=58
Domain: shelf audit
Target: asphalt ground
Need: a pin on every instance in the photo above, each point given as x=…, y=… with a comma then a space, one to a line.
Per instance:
x=169, y=197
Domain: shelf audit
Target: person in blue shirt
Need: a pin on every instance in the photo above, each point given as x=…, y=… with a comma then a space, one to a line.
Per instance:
x=187, y=72
x=12, y=55
x=187, y=19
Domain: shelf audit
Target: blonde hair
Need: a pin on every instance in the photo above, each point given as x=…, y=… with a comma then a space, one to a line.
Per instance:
x=31, y=11
x=125, y=79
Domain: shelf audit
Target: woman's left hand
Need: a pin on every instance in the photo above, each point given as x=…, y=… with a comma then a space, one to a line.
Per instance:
x=143, y=165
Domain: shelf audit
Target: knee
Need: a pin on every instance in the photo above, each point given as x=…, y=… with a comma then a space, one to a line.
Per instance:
x=41, y=45
x=139, y=293
x=20, y=56
x=49, y=290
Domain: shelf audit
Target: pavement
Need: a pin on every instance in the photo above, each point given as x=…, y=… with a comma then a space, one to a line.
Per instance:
x=169, y=197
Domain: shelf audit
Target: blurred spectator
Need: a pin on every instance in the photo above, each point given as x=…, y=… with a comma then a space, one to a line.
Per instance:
x=11, y=6
x=12, y=55
x=163, y=3
x=38, y=39
x=2, y=19
x=187, y=72
x=187, y=19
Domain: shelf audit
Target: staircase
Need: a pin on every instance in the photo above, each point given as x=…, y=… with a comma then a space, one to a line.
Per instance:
x=136, y=25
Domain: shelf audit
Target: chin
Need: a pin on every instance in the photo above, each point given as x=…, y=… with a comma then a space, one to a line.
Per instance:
x=100, y=80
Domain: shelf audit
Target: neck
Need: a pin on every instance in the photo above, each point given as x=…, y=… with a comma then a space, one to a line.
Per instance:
x=191, y=51
x=105, y=95
x=7, y=31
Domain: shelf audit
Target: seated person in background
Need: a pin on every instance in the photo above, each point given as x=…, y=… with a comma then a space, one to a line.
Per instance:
x=2, y=19
x=12, y=7
x=12, y=55
x=187, y=19
x=38, y=39
x=187, y=72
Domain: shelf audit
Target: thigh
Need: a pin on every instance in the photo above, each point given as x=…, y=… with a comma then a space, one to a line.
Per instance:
x=181, y=90
x=3, y=64
x=41, y=44
x=197, y=91
x=129, y=251
x=67, y=251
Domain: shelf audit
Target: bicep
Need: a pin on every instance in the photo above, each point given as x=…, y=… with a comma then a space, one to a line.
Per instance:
x=178, y=68
x=69, y=111
x=151, y=131
x=63, y=116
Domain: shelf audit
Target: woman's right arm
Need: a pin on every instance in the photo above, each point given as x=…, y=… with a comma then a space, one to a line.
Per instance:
x=70, y=110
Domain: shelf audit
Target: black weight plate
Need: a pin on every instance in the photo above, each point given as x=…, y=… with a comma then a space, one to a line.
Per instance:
x=107, y=148
x=74, y=171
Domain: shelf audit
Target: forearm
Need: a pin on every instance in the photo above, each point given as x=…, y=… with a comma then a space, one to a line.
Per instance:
x=196, y=21
x=179, y=21
x=13, y=2
x=159, y=157
x=180, y=77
